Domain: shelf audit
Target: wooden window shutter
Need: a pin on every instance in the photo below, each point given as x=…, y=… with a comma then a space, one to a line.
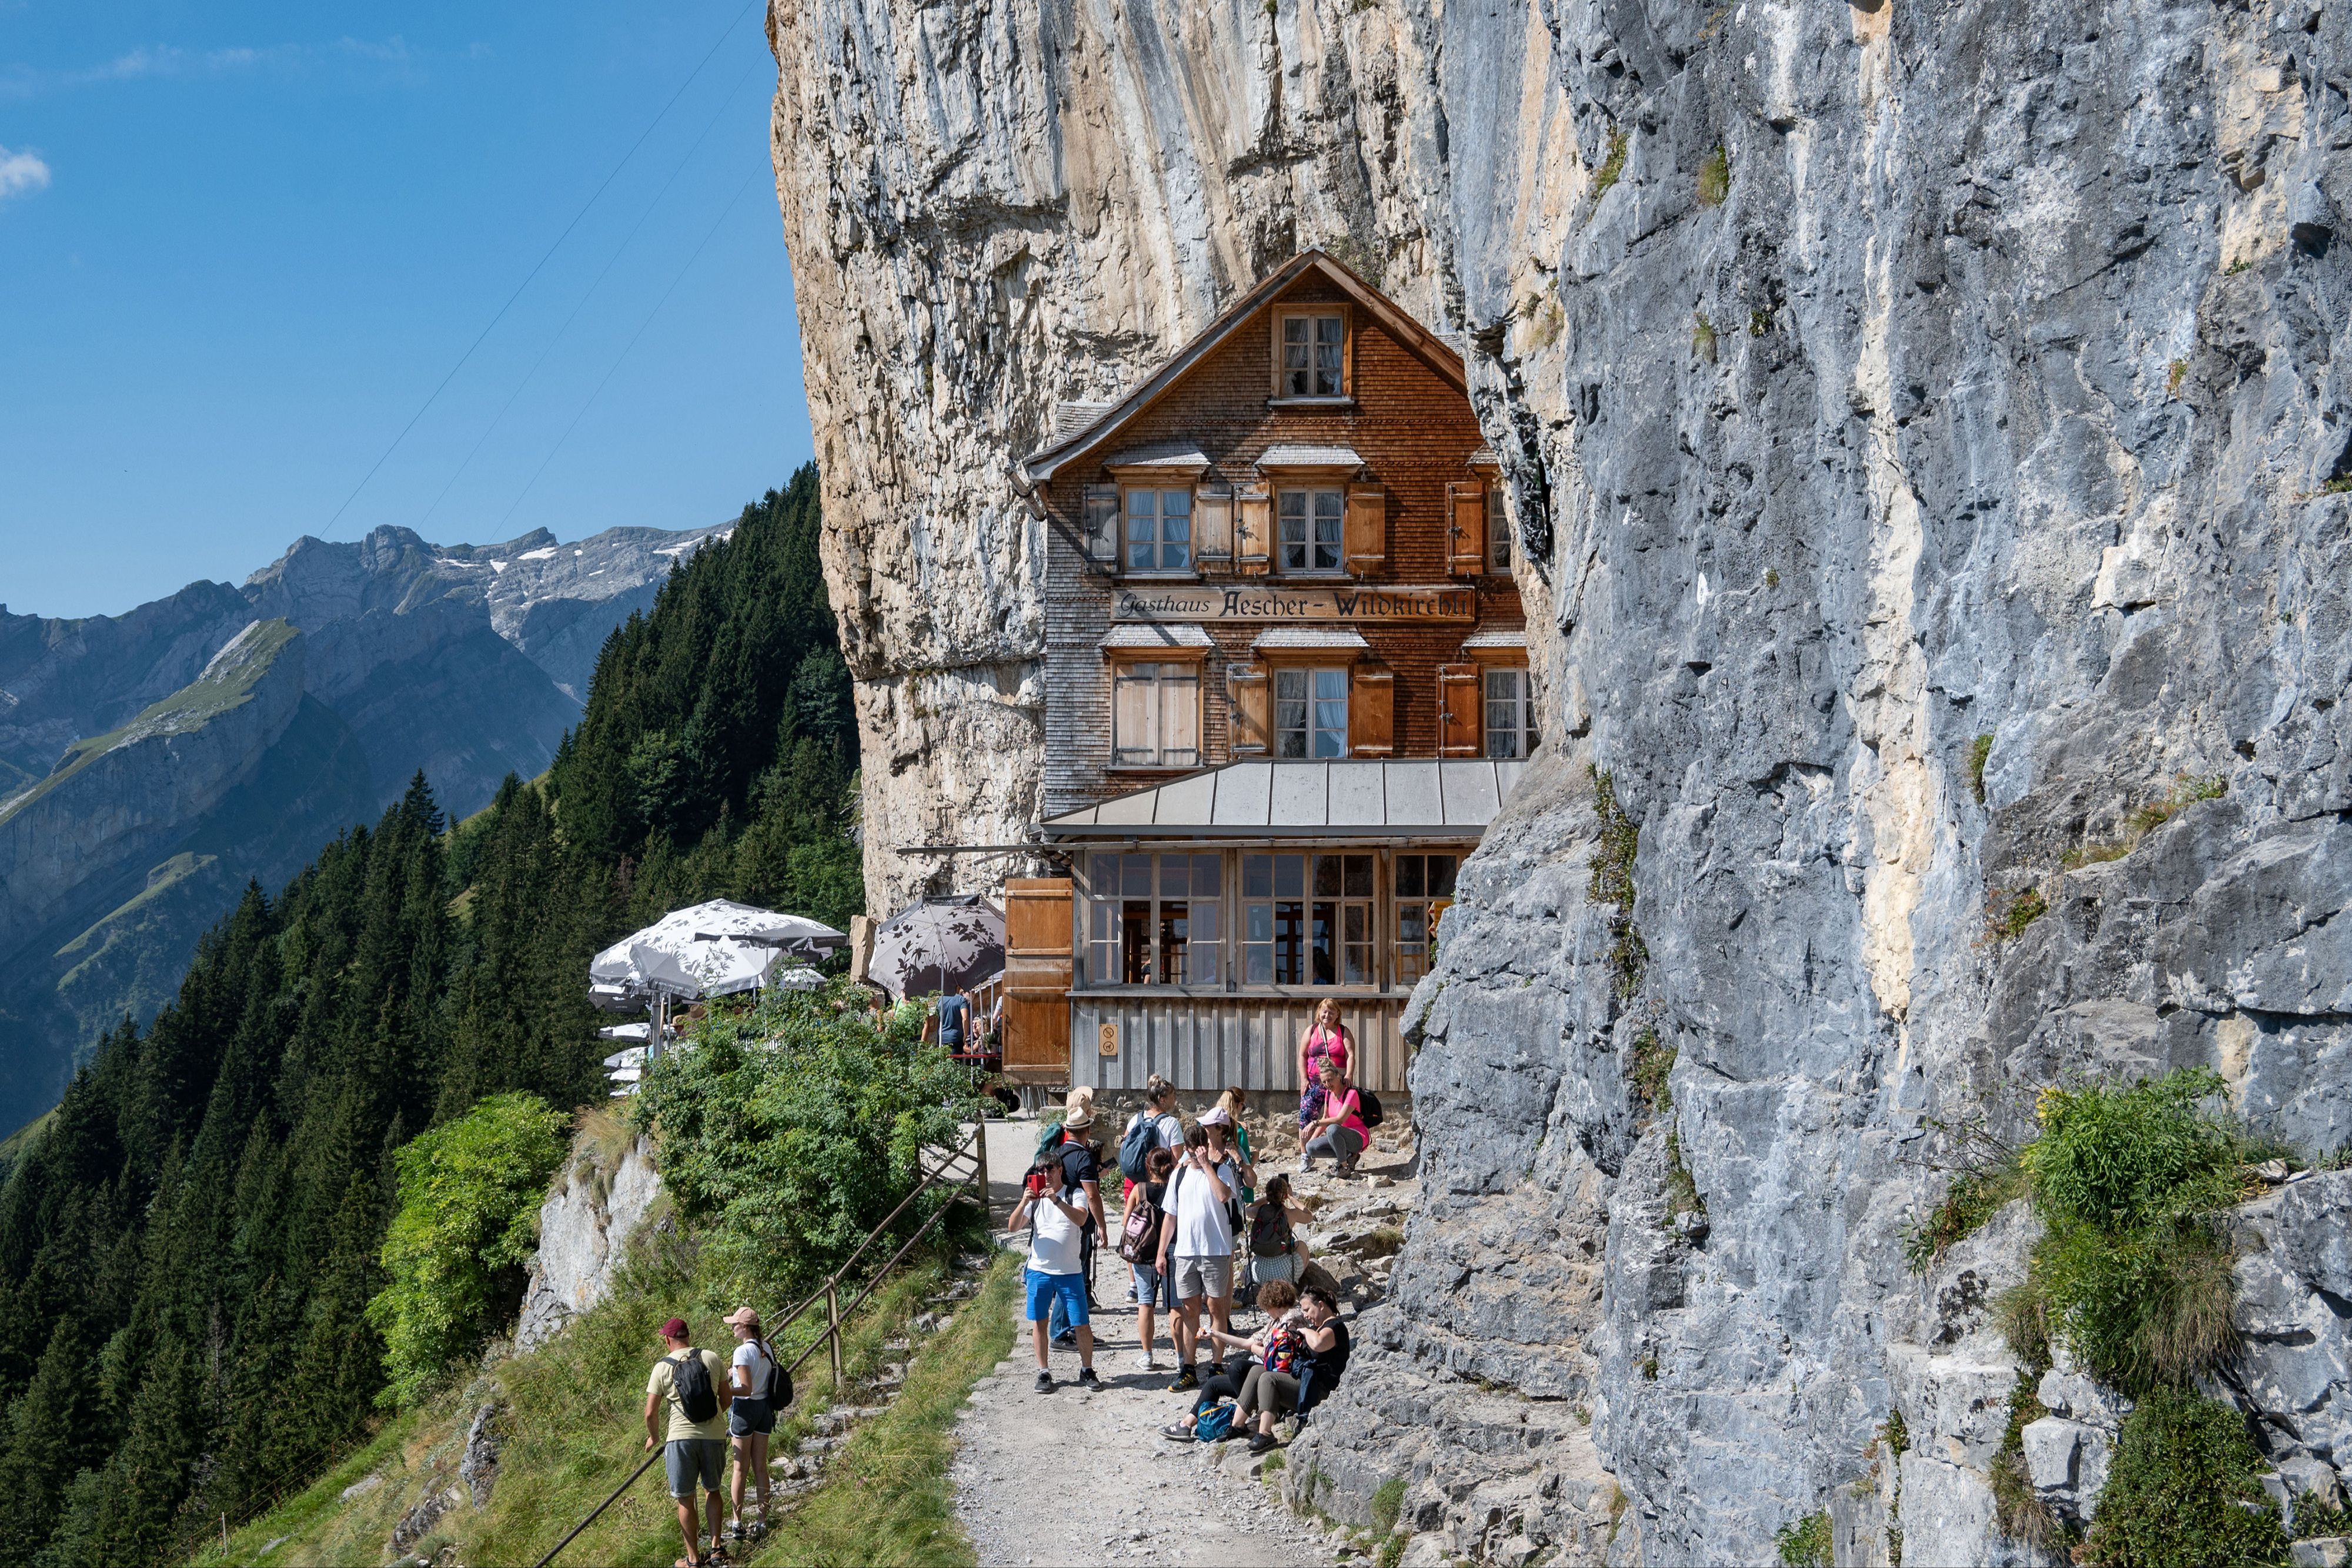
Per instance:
x=1037, y=970
x=1368, y=527
x=1458, y=697
x=1213, y=522
x=1253, y=530
x=1371, y=710
x=1102, y=523
x=1466, y=552
x=1252, y=716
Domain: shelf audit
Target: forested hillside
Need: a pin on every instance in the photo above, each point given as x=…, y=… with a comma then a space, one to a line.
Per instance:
x=188, y=1246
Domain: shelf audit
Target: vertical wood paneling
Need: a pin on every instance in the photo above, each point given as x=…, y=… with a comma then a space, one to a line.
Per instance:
x=1205, y=1043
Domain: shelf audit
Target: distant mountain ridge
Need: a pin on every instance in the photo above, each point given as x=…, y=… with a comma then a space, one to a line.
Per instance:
x=152, y=762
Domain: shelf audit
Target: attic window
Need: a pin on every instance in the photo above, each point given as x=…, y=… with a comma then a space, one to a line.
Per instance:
x=1311, y=354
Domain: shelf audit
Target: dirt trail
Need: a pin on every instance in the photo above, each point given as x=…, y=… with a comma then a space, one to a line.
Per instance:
x=1077, y=1477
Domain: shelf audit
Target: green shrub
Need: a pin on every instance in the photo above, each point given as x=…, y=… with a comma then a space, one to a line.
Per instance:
x=470, y=1192
x=2118, y=1156
x=2142, y=1309
x=1386, y=1500
x=1974, y=1197
x=790, y=1132
x=1653, y=1064
x=1979, y=749
x=1807, y=1542
x=1611, y=882
x=2314, y=1519
x=2007, y=915
x=2183, y=1491
x=2023, y=1516
x=1715, y=177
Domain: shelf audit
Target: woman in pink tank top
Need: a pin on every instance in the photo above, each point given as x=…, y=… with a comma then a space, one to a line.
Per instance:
x=1326, y=1040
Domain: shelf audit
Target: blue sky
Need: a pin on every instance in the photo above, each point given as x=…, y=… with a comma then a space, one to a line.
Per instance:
x=242, y=242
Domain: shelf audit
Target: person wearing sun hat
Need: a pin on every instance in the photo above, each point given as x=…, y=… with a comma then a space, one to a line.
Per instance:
x=761, y=1387
x=1081, y=1171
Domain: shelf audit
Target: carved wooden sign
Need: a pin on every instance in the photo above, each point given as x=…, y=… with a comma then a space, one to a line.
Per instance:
x=1185, y=602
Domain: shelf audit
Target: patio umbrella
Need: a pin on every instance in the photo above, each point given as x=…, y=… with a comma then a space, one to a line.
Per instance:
x=939, y=945
x=712, y=949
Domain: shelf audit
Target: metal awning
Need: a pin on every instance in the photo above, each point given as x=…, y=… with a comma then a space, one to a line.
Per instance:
x=1310, y=457
x=1373, y=800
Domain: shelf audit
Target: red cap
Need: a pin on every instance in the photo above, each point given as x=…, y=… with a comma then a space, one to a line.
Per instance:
x=674, y=1328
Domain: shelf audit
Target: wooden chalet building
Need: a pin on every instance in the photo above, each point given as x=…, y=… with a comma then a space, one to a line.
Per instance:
x=1286, y=689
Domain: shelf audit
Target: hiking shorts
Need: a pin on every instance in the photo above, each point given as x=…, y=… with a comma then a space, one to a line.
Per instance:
x=1281, y=1266
x=688, y=1460
x=1070, y=1288
x=1211, y=1276
x=748, y=1416
x=1153, y=1288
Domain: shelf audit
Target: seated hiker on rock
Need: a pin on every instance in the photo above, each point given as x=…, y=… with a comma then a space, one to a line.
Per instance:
x=1328, y=1345
x=1338, y=1130
x=692, y=1386
x=1276, y=1251
x=1326, y=1040
x=1244, y=1356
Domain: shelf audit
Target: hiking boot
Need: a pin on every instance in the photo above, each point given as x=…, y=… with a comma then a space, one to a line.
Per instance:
x=1044, y=1382
x=1187, y=1381
x=1086, y=1379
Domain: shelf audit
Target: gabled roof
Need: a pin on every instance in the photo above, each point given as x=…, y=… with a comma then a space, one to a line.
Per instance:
x=1072, y=439
x=1352, y=799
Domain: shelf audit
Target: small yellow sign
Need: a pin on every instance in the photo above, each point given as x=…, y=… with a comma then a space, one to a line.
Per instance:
x=1109, y=1033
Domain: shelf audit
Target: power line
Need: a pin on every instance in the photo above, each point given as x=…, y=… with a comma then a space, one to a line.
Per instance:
x=725, y=102
x=544, y=260
x=631, y=344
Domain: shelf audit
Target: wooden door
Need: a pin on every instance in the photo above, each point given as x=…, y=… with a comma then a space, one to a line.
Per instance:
x=1037, y=968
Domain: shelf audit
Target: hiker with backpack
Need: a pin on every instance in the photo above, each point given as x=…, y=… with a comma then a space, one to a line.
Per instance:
x=1275, y=1251
x=1339, y=1130
x=1082, y=1172
x=1057, y=1215
x=761, y=1387
x=1156, y=1126
x=1198, y=1241
x=1235, y=1105
x=691, y=1385
x=1139, y=1243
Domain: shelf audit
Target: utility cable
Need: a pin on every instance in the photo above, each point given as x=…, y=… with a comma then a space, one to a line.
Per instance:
x=631, y=344
x=725, y=102
x=544, y=260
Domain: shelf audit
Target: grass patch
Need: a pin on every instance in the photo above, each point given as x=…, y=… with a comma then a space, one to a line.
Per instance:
x=1715, y=177
x=2173, y=376
x=2314, y=1519
x=1388, y=1498
x=2183, y=1489
x=1612, y=162
x=1760, y=322
x=1682, y=1192
x=1702, y=336
x=1974, y=1197
x=2024, y=1517
x=1653, y=1064
x=1611, y=882
x=2145, y=819
x=1806, y=1544
x=1978, y=750
x=2007, y=915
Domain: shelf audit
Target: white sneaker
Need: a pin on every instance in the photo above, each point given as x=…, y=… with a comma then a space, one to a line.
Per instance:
x=1146, y=1362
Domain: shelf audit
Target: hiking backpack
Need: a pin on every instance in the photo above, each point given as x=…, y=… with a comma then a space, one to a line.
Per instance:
x=689, y=1381
x=1049, y=1139
x=1269, y=1231
x=1139, y=1236
x=1367, y=1108
x=1134, y=1146
x=1216, y=1424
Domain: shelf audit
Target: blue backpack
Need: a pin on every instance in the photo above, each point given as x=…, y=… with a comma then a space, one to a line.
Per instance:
x=1216, y=1424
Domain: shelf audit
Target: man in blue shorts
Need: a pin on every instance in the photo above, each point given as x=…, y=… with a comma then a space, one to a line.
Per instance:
x=1057, y=1217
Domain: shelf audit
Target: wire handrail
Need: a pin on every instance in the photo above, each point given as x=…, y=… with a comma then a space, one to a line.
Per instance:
x=829, y=1292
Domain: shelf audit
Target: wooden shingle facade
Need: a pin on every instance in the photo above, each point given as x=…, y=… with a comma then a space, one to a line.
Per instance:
x=1281, y=625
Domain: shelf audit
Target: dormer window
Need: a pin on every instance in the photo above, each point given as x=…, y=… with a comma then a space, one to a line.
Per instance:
x=1312, y=354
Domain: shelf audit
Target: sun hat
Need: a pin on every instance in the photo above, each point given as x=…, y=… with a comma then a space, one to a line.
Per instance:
x=674, y=1328
x=1079, y=1111
x=1217, y=1117
x=741, y=1317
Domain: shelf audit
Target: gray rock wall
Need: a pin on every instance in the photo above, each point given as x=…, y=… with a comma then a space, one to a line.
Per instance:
x=597, y=1201
x=1908, y=520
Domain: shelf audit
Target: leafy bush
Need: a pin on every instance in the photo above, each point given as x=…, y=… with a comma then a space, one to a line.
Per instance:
x=2007, y=915
x=2183, y=1491
x=1806, y=1544
x=790, y=1130
x=2315, y=1518
x=469, y=1196
x=2121, y=1157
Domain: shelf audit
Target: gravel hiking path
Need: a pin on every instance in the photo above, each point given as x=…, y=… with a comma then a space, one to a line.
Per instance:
x=1068, y=1478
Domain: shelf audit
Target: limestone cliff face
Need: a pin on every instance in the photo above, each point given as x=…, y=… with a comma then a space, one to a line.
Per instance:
x=1920, y=423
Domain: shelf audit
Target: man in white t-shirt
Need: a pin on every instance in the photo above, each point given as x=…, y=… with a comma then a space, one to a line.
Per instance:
x=1197, y=1244
x=1057, y=1215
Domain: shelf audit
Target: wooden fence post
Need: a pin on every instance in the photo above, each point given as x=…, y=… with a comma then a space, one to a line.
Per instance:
x=833, y=1333
x=980, y=1171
